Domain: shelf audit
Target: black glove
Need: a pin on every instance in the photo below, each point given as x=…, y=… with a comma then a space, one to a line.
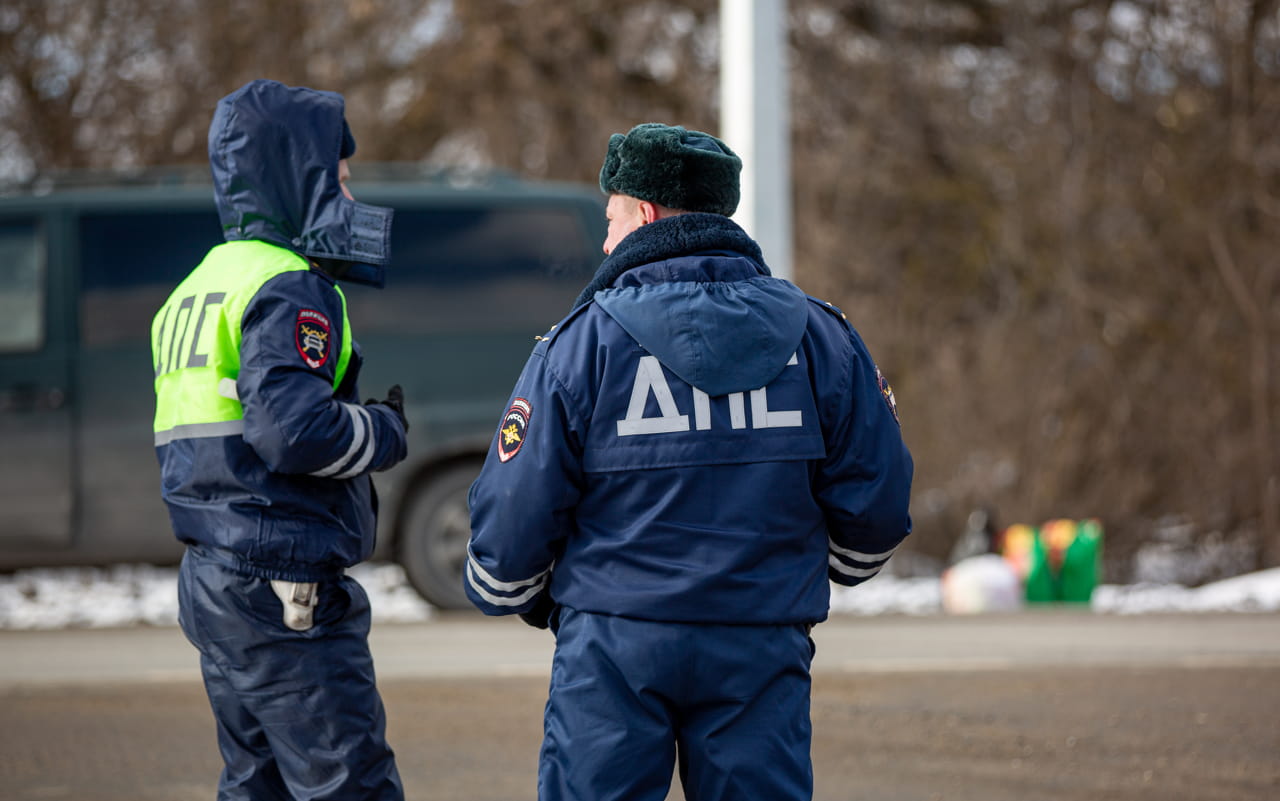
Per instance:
x=540, y=616
x=395, y=401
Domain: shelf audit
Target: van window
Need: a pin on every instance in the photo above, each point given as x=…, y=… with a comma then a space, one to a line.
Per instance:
x=130, y=262
x=499, y=268
x=22, y=268
x=448, y=266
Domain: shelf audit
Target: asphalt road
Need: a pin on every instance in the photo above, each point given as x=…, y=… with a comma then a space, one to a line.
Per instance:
x=1047, y=705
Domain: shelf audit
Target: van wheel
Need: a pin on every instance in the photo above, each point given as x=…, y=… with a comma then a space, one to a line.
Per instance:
x=436, y=527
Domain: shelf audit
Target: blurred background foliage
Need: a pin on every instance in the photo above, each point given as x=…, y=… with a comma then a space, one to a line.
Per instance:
x=1053, y=221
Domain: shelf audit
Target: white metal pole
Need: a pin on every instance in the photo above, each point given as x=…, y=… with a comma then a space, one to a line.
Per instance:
x=755, y=122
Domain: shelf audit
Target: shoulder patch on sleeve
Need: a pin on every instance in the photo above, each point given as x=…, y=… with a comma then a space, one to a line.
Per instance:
x=887, y=392
x=312, y=333
x=515, y=424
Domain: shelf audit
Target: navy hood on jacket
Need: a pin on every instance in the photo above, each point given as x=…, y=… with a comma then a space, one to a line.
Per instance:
x=274, y=152
x=694, y=291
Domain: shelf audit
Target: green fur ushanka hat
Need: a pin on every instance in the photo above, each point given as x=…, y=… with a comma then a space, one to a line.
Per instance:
x=673, y=167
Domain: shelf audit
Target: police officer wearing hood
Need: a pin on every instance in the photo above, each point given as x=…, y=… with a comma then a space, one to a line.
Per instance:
x=266, y=453
x=688, y=459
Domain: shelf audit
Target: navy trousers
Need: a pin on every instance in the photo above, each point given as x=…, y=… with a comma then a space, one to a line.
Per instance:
x=298, y=713
x=630, y=697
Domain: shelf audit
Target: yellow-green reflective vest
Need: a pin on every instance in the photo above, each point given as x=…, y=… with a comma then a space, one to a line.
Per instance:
x=195, y=339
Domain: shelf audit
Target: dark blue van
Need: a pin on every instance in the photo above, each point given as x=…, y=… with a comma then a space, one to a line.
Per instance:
x=479, y=268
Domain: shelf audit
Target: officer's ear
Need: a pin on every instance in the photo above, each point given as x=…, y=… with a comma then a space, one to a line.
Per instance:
x=648, y=212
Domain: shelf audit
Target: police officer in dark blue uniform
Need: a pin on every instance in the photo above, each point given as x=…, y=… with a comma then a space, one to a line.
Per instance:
x=266, y=453
x=687, y=460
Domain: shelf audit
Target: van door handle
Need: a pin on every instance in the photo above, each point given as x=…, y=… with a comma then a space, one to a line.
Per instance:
x=31, y=398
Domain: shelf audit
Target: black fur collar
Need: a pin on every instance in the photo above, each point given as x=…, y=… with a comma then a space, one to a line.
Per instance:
x=681, y=235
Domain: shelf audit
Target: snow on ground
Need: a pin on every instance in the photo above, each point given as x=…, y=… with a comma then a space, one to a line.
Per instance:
x=131, y=595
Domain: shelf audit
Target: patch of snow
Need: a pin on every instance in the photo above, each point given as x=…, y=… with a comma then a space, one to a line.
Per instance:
x=89, y=597
x=393, y=599
x=885, y=595
x=1252, y=592
x=132, y=595
x=1178, y=554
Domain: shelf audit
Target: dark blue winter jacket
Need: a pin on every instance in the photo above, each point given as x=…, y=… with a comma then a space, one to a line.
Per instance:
x=701, y=442
x=264, y=447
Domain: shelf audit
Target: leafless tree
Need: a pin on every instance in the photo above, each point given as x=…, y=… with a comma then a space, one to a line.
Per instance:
x=1052, y=221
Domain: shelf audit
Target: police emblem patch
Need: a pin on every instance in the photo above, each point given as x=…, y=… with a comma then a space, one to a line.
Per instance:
x=887, y=392
x=515, y=423
x=311, y=332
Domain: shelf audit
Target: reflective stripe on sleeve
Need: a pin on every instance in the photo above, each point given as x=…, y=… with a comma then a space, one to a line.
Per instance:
x=360, y=439
x=366, y=454
x=531, y=586
x=836, y=559
x=502, y=600
x=854, y=572
x=858, y=556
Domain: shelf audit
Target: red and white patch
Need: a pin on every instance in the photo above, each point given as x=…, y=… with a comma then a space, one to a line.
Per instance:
x=511, y=433
x=312, y=333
